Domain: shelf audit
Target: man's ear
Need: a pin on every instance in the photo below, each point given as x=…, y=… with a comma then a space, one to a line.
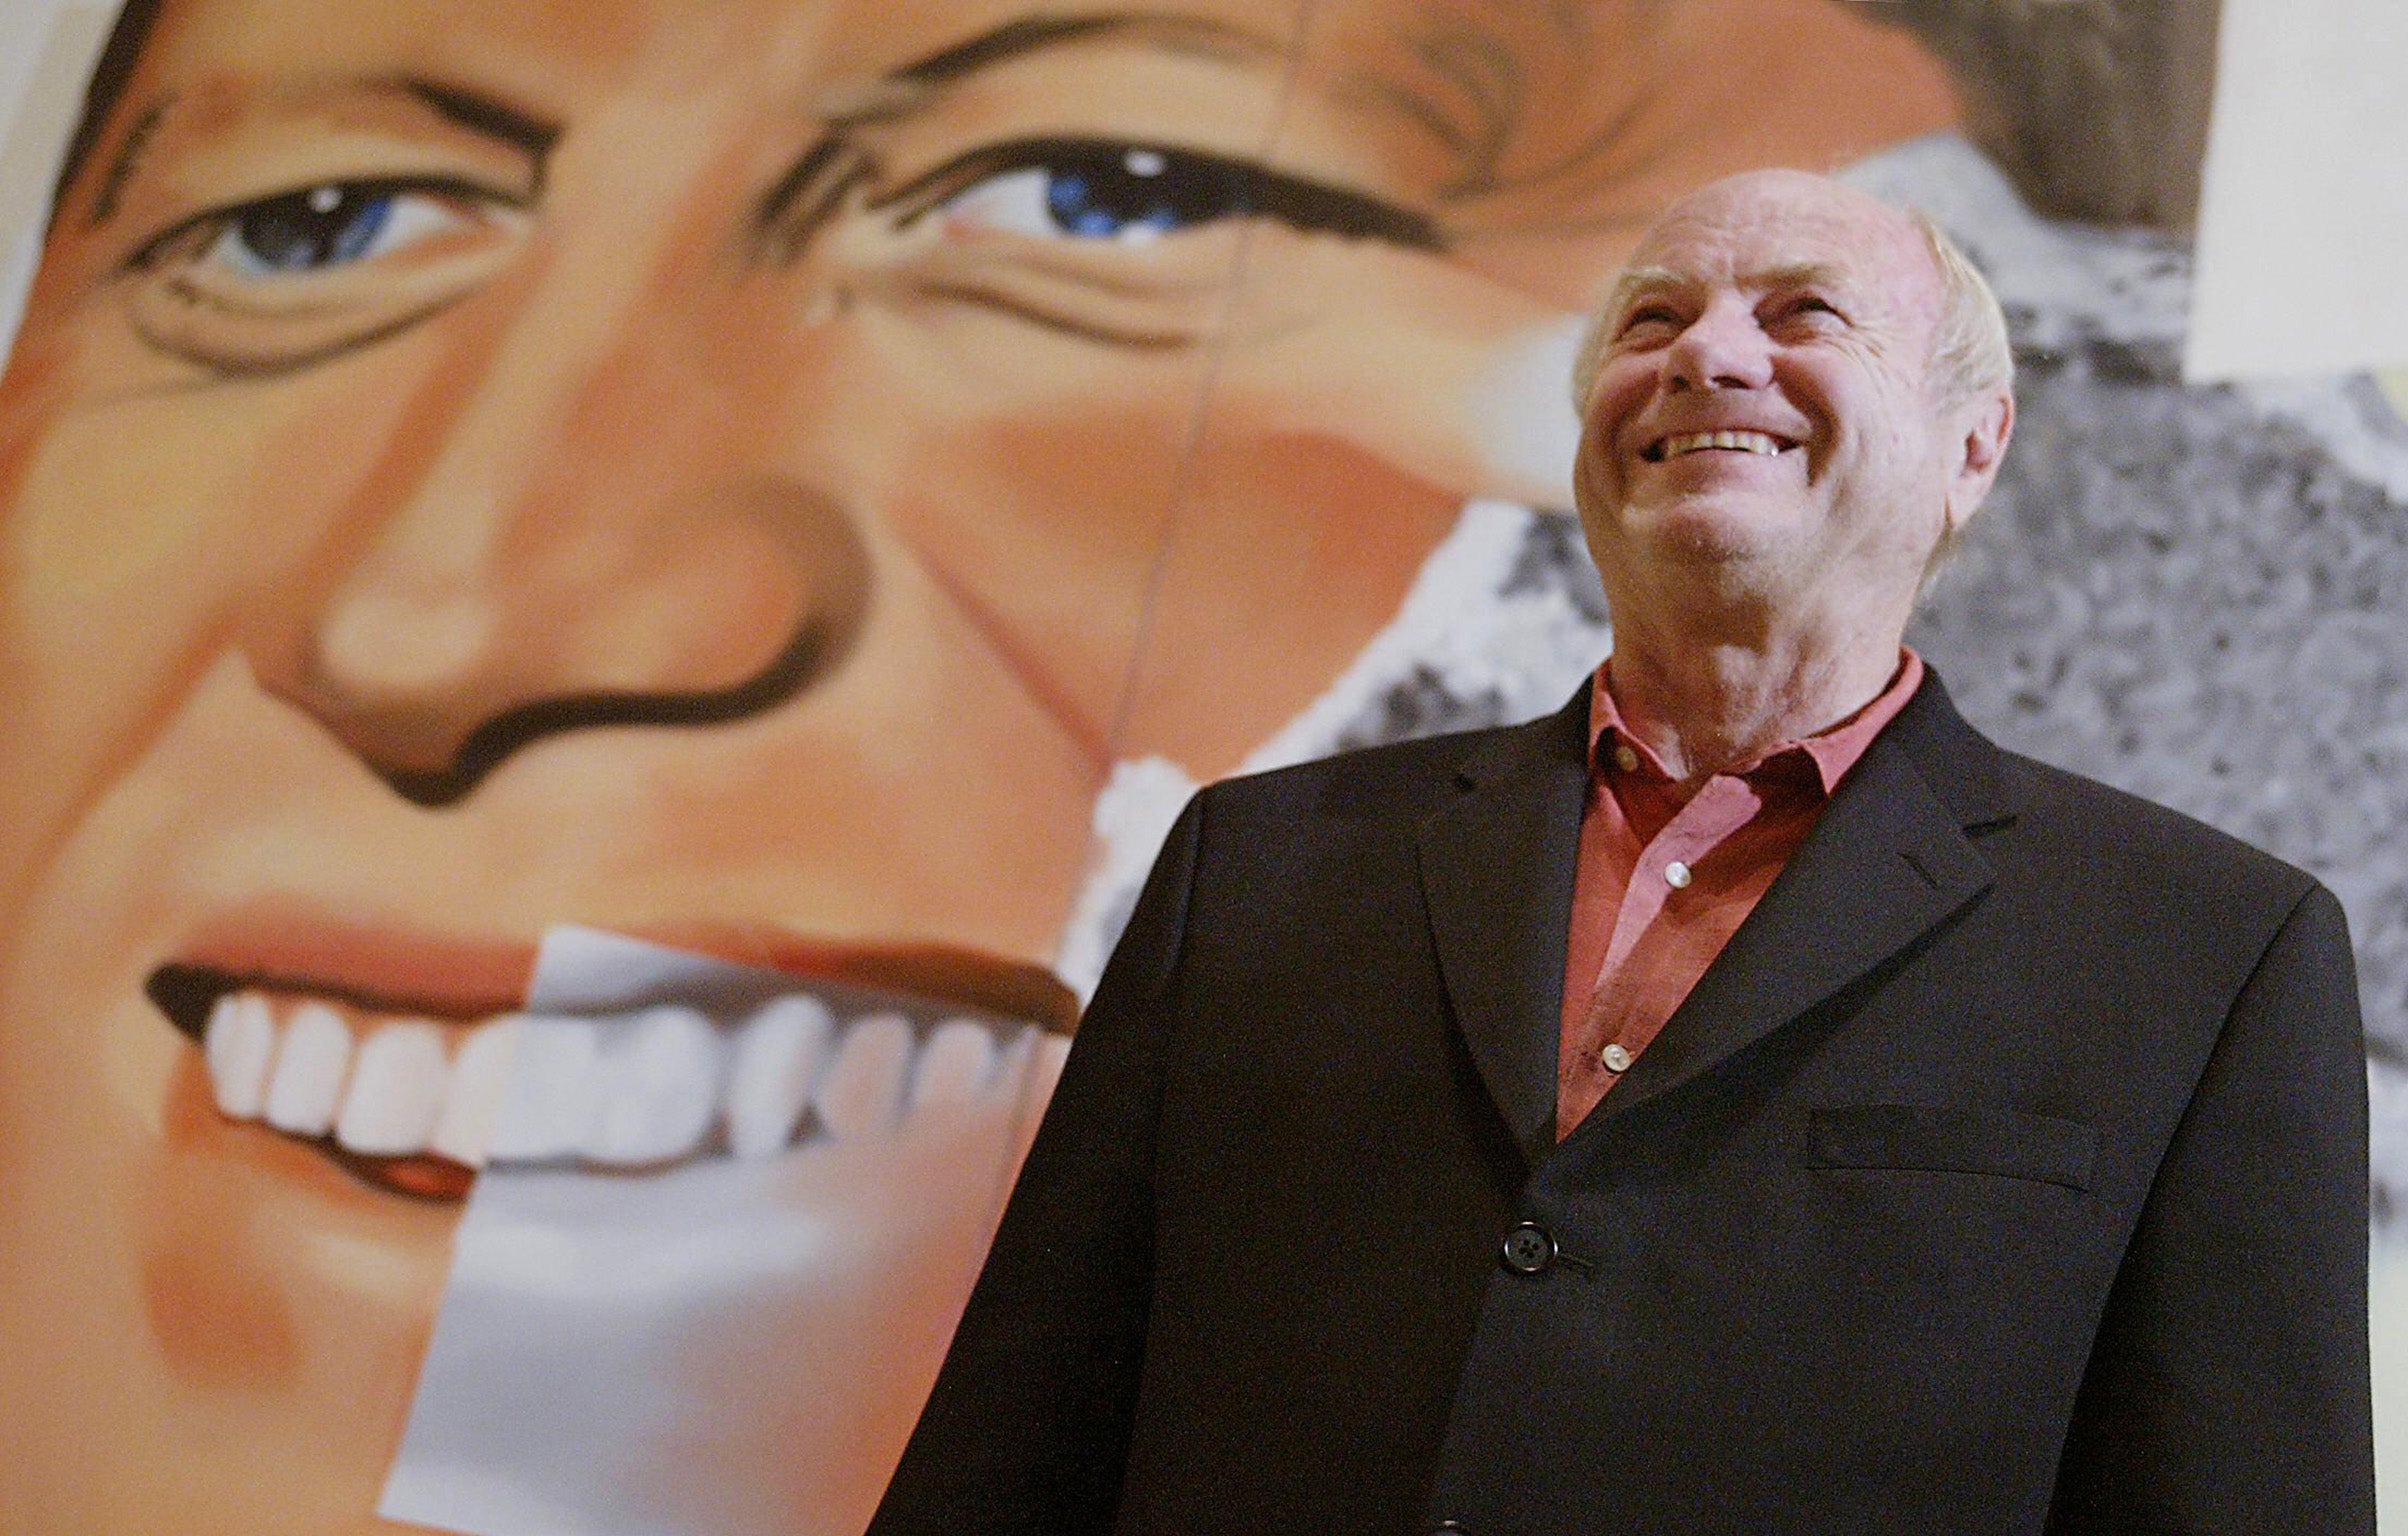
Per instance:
x=1984, y=424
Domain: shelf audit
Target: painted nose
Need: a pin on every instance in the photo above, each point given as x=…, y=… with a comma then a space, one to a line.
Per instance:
x=560, y=537
x=730, y=603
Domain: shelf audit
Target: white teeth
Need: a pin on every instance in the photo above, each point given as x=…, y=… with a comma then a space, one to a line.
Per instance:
x=657, y=1087
x=548, y=1106
x=954, y=1065
x=240, y=1044
x=308, y=1085
x=863, y=1087
x=480, y=1078
x=777, y=1055
x=397, y=1090
x=630, y=1090
x=1746, y=442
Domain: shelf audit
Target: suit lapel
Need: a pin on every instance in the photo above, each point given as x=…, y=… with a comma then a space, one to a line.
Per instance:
x=1887, y=861
x=1497, y=866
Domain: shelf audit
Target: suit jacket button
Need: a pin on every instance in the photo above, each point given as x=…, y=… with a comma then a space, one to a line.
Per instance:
x=1528, y=1249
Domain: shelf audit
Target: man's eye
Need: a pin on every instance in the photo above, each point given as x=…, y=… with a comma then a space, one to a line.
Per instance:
x=1072, y=189
x=324, y=227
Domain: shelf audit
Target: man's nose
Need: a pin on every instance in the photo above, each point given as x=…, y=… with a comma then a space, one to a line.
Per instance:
x=563, y=531
x=1723, y=348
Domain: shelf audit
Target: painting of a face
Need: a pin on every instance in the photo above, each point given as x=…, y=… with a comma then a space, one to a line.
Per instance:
x=733, y=472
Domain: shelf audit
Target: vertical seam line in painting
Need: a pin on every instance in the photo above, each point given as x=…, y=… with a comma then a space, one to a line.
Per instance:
x=1182, y=477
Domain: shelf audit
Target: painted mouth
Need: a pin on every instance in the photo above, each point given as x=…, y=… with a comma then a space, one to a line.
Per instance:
x=705, y=1058
x=1678, y=445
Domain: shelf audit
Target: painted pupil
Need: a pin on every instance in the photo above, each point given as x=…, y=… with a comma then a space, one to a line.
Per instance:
x=1106, y=193
x=316, y=228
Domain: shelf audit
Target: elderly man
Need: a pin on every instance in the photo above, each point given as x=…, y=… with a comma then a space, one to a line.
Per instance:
x=1746, y=1101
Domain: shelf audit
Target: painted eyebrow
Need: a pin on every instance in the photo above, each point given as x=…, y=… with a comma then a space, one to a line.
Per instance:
x=1031, y=33
x=810, y=190
x=484, y=115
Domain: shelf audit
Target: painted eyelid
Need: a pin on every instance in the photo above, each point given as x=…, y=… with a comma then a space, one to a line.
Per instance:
x=1295, y=200
x=215, y=220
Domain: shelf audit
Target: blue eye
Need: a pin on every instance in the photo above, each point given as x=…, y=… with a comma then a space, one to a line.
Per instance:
x=324, y=227
x=1083, y=189
x=1101, y=193
x=300, y=232
x=1139, y=194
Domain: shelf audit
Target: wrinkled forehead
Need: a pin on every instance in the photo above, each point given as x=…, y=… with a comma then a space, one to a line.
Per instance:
x=1760, y=232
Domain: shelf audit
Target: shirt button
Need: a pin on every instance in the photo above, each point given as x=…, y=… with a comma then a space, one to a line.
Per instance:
x=1616, y=1058
x=1676, y=875
x=1626, y=759
x=1528, y=1249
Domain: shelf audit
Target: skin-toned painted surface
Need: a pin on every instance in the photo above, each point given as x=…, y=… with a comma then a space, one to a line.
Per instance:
x=738, y=474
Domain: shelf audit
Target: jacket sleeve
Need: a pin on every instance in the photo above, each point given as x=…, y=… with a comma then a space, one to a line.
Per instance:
x=1027, y=1429
x=2228, y=1388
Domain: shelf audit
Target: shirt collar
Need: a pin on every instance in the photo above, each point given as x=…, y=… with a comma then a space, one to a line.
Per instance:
x=1831, y=752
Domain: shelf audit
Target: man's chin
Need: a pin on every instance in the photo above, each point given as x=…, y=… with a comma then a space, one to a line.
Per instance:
x=1727, y=538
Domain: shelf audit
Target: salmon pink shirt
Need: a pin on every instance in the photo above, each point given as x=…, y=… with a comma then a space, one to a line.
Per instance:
x=1662, y=884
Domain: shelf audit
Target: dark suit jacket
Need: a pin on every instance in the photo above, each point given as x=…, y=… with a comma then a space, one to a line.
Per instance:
x=2005, y=1173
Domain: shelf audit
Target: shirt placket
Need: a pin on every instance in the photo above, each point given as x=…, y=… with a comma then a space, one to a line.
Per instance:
x=1619, y=1026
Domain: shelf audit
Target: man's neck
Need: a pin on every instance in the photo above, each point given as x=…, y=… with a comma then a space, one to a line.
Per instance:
x=1705, y=705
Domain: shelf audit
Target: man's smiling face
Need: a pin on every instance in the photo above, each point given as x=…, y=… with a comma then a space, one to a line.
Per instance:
x=702, y=471
x=1763, y=405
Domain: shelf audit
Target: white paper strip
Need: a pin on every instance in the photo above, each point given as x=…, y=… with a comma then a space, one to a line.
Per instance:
x=46, y=53
x=2303, y=233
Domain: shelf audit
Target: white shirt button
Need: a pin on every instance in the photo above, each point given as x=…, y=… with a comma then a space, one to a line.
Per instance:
x=1625, y=758
x=1616, y=1059
x=1676, y=875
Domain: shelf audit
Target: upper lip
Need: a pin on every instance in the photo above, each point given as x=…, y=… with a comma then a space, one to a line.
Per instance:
x=281, y=947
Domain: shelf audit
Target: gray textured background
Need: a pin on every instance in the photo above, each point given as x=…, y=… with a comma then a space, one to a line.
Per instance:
x=2181, y=596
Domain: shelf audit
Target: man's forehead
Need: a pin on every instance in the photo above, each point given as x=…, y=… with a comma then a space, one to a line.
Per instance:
x=1764, y=233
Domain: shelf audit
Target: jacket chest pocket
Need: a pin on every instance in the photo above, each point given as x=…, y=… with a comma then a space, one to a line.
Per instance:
x=1920, y=1138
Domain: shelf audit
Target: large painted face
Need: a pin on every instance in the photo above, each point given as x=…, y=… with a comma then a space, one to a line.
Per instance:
x=733, y=473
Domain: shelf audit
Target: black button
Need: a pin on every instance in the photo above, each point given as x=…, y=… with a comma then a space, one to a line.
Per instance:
x=1528, y=1249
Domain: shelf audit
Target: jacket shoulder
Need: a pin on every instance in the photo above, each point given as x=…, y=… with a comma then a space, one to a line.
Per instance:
x=2109, y=826
x=1395, y=778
